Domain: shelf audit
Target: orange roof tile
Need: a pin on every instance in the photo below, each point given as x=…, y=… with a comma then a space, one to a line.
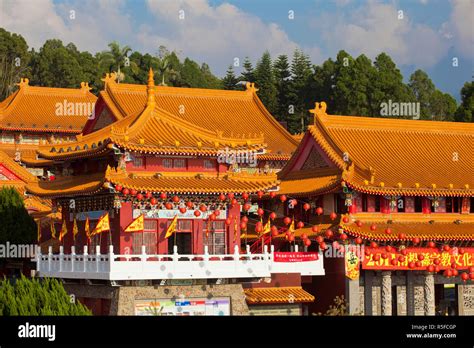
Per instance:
x=442, y=226
x=397, y=156
x=33, y=109
x=22, y=173
x=234, y=113
x=294, y=294
x=67, y=186
x=304, y=182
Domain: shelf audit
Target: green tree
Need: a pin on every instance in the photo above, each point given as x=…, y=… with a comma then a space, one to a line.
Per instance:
x=248, y=74
x=14, y=59
x=281, y=71
x=37, y=297
x=16, y=225
x=116, y=59
x=230, y=80
x=465, y=111
x=265, y=82
x=422, y=88
x=322, y=84
x=442, y=106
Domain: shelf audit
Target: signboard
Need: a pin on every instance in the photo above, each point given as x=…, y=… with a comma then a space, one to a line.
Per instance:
x=279, y=310
x=170, y=214
x=463, y=261
x=352, y=263
x=294, y=256
x=183, y=307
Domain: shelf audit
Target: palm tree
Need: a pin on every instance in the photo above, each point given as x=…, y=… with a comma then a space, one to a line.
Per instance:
x=164, y=68
x=116, y=56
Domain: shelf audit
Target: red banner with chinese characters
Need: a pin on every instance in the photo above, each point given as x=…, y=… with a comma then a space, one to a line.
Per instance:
x=294, y=256
x=462, y=261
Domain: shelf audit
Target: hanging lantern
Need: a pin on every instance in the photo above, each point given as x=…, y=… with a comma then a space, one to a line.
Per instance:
x=217, y=212
x=373, y=245
x=471, y=269
x=388, y=231
x=243, y=226
x=168, y=206
x=416, y=240
x=189, y=204
x=118, y=188
x=411, y=265
x=246, y=206
x=153, y=201
x=234, y=202
x=430, y=268
x=272, y=195
x=300, y=224
x=258, y=227
x=359, y=240
x=283, y=198
x=307, y=242
x=418, y=263
x=446, y=248
x=203, y=208
x=222, y=197
x=291, y=238
x=461, y=251
x=376, y=257
x=286, y=220
x=274, y=230
x=329, y=234
x=293, y=203
x=273, y=215
x=431, y=244
x=133, y=192
x=125, y=191
x=260, y=212
x=323, y=246
x=139, y=196
x=197, y=213
x=315, y=229
x=212, y=217
x=401, y=259
x=404, y=252
x=148, y=195
x=373, y=227
x=260, y=194
x=230, y=195
x=345, y=219
x=359, y=223
x=393, y=262
x=384, y=256
x=245, y=219
x=471, y=276
x=333, y=216
x=455, y=272
x=343, y=236
x=175, y=199
x=228, y=221
x=319, y=239
x=402, y=236
x=319, y=210
x=436, y=261
x=388, y=248
x=245, y=196
x=306, y=206
x=421, y=257
x=464, y=277
x=163, y=195
x=182, y=210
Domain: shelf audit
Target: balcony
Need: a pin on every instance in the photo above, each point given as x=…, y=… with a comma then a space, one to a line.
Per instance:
x=174, y=266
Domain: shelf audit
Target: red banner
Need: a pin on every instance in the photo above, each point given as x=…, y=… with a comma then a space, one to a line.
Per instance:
x=294, y=256
x=446, y=259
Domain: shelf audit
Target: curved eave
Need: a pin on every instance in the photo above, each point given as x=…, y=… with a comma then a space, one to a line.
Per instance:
x=101, y=150
x=40, y=130
x=53, y=189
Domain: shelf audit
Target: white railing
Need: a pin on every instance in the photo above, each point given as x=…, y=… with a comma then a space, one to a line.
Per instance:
x=174, y=266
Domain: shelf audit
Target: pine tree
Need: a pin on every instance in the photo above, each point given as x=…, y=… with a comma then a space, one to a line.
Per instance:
x=265, y=82
x=281, y=71
x=230, y=81
x=465, y=111
x=248, y=75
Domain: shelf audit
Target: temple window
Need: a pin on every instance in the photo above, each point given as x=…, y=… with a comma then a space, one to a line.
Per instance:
x=216, y=241
x=453, y=205
x=148, y=238
x=167, y=163
x=138, y=161
x=7, y=138
x=209, y=164
x=179, y=163
x=418, y=204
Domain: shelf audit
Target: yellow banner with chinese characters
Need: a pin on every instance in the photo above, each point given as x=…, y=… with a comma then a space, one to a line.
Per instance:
x=137, y=225
x=352, y=263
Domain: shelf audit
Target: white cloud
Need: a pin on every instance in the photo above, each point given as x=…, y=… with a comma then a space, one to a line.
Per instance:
x=459, y=27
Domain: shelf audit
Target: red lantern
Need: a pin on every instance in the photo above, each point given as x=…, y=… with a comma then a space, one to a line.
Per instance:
x=125, y=191
x=461, y=251
x=343, y=236
x=258, y=227
x=272, y=195
x=243, y=225
x=118, y=188
x=230, y=195
x=402, y=236
x=148, y=195
x=448, y=273
x=359, y=240
x=359, y=223
x=388, y=248
x=333, y=216
x=329, y=234
x=401, y=259
x=163, y=196
x=291, y=238
x=404, y=252
x=315, y=229
x=245, y=219
x=373, y=244
x=286, y=220
x=304, y=236
x=411, y=265
x=300, y=224
x=222, y=197
x=283, y=198
x=453, y=265
x=175, y=199
x=436, y=261
x=345, y=219
x=189, y=204
x=274, y=230
x=133, y=192
x=153, y=201
x=388, y=231
x=197, y=213
x=393, y=262
x=455, y=272
x=212, y=217
x=294, y=202
x=324, y=246
x=217, y=212
x=246, y=206
x=245, y=196
x=384, y=256
x=464, y=276
x=373, y=227
x=430, y=268
x=260, y=212
x=376, y=257
x=228, y=221
x=273, y=215
x=260, y=194
x=471, y=276
x=182, y=210
x=431, y=244
x=416, y=240
x=233, y=202
x=418, y=263
x=319, y=210
x=139, y=196
x=307, y=242
x=471, y=269
x=421, y=257
x=306, y=207
x=169, y=206
x=203, y=208
x=319, y=239
x=446, y=248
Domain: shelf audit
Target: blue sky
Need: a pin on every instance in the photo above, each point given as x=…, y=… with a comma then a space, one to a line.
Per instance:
x=428, y=35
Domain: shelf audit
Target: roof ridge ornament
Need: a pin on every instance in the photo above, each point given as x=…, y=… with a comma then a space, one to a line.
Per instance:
x=250, y=87
x=85, y=86
x=24, y=82
x=109, y=78
x=319, y=110
x=151, y=88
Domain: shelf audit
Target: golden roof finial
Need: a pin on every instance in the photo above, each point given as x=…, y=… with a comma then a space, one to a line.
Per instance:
x=23, y=82
x=250, y=87
x=151, y=87
x=319, y=110
x=85, y=87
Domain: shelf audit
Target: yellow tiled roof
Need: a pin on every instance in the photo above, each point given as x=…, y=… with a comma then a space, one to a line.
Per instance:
x=234, y=113
x=293, y=294
x=68, y=186
x=24, y=175
x=33, y=109
x=445, y=226
x=305, y=182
